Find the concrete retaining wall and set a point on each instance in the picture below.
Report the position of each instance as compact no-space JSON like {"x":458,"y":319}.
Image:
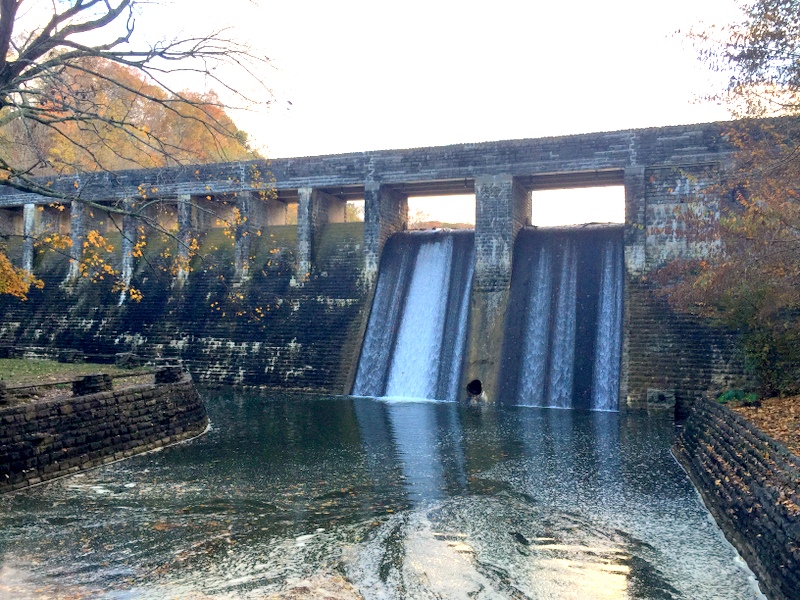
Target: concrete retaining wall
{"x":751,"y":484}
{"x":44,"y":440}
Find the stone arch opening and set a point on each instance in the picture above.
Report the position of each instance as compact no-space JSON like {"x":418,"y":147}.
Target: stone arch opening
{"x":576,"y":198}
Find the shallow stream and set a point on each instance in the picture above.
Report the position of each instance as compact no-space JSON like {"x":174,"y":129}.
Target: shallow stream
{"x":384,"y":499}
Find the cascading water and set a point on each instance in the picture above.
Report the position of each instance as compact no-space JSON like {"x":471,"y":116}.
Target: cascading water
{"x":562,"y":345}
{"x":415,"y":338}
{"x":608,"y":346}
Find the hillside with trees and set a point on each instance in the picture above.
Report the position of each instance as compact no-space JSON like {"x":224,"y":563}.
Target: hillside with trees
{"x":78,"y":95}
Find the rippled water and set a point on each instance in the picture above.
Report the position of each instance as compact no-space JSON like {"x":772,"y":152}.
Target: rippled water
{"x":385,"y":499}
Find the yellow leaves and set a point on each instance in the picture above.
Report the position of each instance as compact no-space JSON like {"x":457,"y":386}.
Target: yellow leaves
{"x":138,"y":248}
{"x":14,"y":281}
{"x":55,"y":241}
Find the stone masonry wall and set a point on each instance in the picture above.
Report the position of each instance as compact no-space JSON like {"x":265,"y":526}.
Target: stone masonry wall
{"x":750,"y":484}
{"x":44,"y":440}
{"x":271,"y":329}
{"x":679,"y":145}
{"x":670,"y":357}
{"x":674,"y":197}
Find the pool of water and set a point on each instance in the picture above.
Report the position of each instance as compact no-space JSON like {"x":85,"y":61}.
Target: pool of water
{"x":333,"y":497}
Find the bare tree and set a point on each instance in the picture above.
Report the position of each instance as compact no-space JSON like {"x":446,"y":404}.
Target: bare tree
{"x":78,"y":93}
{"x":48,"y":76}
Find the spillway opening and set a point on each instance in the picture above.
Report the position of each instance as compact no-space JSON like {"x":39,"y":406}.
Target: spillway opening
{"x":456,"y":211}
{"x":354,"y":211}
{"x":577,"y":206}
{"x":416,"y":334}
{"x":563,"y":334}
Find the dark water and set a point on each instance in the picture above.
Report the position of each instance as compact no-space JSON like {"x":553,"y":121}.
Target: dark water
{"x":403,"y":500}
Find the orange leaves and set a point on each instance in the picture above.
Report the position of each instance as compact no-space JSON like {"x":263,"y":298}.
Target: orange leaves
{"x":778,"y":418}
{"x":126,"y":122}
{"x":14,"y":281}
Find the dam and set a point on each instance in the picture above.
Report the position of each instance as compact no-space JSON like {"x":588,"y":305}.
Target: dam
{"x":271,"y":303}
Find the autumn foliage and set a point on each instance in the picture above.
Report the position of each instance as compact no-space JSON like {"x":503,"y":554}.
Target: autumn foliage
{"x":750,"y":282}
{"x":135,"y":125}
{"x":132,"y":124}
{"x":80,"y":92}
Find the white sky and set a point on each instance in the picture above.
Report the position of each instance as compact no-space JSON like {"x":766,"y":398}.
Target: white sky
{"x":369,"y":75}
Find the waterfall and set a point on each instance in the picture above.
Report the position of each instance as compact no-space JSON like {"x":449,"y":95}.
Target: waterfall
{"x":562,"y":344}
{"x":562,"y":348}
{"x":537,"y":333}
{"x":416,"y":333}
{"x":562,"y":341}
{"x":608,"y":345}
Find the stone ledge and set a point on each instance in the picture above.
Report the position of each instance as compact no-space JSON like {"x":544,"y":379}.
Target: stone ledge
{"x":749,"y":482}
{"x":36,"y":447}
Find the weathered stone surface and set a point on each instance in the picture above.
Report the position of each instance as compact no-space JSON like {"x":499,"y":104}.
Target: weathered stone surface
{"x":91,"y":384}
{"x":49,"y":439}
{"x":666,"y":146}
{"x":749,"y":482}
{"x":669,"y":357}
{"x":267,"y":331}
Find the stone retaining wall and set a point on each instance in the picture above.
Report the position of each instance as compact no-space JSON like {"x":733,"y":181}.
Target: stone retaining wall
{"x":671,"y":358}
{"x":45,"y":440}
{"x":751,"y":484}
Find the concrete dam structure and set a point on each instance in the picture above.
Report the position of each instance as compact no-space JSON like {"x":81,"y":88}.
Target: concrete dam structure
{"x":287,"y":305}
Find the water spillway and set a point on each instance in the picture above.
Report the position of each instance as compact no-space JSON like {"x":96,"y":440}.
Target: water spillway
{"x":563,"y":327}
{"x":414,"y":344}
{"x":562,"y":344}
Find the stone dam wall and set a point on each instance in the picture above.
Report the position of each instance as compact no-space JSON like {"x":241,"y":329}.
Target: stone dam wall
{"x":275,"y":331}
{"x":44,"y":440}
{"x":270,"y":330}
{"x":751,"y":484}
{"x":670,"y":358}
{"x":284,"y":306}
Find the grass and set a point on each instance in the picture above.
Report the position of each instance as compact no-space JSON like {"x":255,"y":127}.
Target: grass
{"x":19,"y":372}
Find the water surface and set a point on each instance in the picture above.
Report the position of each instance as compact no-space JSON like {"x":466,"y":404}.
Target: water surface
{"x":398,"y":499}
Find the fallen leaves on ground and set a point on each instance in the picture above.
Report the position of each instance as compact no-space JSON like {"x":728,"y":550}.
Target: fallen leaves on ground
{"x":779,"y":418}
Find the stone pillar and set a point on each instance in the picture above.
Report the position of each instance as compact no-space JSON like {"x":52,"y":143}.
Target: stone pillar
{"x":385,"y":213}
{"x":184,"y":215}
{"x":635,"y":216}
{"x":315,"y":209}
{"x":502,"y":209}
{"x":305,"y":232}
{"x":77,"y":217}
{"x":243,"y":236}
{"x":28,"y":233}
{"x":129,"y":238}
{"x":635,"y":238}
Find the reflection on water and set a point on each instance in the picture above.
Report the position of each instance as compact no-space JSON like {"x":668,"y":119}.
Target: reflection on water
{"x":383,"y":499}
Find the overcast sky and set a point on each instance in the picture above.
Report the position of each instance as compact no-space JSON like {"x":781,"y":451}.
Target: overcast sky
{"x":355,"y":75}
{"x":372,"y":74}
